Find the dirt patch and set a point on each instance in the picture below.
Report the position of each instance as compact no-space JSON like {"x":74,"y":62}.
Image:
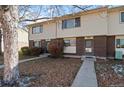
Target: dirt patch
{"x":49,"y":72}
{"x":110,"y":73}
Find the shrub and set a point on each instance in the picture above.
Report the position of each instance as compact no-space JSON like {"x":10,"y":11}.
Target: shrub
{"x":55,"y":48}
{"x":25,"y":50}
{"x":35,"y":51}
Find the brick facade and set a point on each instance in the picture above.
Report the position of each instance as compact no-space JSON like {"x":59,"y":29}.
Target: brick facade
{"x":103,"y":46}
{"x":31,"y":43}
{"x":80,"y":46}
{"x":100,"y":46}
{"x":43,"y":43}
{"x":110,"y":46}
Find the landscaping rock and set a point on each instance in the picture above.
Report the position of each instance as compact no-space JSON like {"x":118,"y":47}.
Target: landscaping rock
{"x":110,"y":73}
{"x":119,"y":70}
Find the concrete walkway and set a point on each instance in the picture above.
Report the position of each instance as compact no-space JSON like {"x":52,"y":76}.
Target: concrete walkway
{"x":86,"y":76}
{"x":25,"y":60}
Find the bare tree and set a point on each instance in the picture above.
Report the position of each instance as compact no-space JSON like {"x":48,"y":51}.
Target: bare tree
{"x":9,"y":21}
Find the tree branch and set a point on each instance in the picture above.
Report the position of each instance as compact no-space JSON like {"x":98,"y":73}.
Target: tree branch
{"x":35,"y":19}
{"x":84,"y":8}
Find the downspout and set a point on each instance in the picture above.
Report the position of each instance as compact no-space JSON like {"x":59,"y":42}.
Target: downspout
{"x":56,"y":31}
{"x":107,"y":31}
{"x":107,"y":21}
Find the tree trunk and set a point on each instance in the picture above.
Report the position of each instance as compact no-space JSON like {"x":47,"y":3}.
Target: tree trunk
{"x":0,"y":41}
{"x":9,"y":23}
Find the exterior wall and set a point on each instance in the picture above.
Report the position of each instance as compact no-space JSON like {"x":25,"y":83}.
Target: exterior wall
{"x":22,"y":39}
{"x":70,"y":49}
{"x":91,"y":24}
{"x":43,"y":43}
{"x":115,"y":27}
{"x":49,"y":32}
{"x":110,"y":46}
{"x":104,"y":27}
{"x":100,"y":46}
{"x":95,"y":24}
{"x":80,"y":45}
{"x":31,"y":43}
{"x":22,"y":44}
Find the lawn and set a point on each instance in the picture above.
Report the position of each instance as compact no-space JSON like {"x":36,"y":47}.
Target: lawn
{"x":110,"y":73}
{"x":50,"y":72}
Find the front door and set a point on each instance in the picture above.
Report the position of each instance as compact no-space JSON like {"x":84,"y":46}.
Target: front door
{"x":89,"y":47}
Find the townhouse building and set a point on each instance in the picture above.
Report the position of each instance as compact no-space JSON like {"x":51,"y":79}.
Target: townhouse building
{"x":98,"y":32}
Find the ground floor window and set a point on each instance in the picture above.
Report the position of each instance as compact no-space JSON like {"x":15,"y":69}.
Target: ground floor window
{"x":119,"y":43}
{"x":37,"y":43}
{"x":69,"y":42}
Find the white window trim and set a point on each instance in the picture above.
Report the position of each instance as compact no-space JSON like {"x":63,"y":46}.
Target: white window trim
{"x":70,"y":41}
{"x":120,"y":17}
{"x":74,"y":23}
{"x":37,"y":26}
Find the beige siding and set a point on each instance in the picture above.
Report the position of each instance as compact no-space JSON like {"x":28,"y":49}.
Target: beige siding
{"x":49,"y":32}
{"x":115,"y":26}
{"x":22,"y":39}
{"x":91,"y":24}
{"x":22,"y":36}
{"x":95,"y":24}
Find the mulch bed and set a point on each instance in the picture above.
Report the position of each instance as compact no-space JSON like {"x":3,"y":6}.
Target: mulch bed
{"x":50,"y":72}
{"x":106,"y":74}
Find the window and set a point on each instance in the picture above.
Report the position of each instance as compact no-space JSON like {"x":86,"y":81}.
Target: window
{"x":120,"y":43}
{"x":122,"y":16}
{"x":69,"y":42}
{"x":66,"y":43}
{"x":70,"y":23}
{"x":77,"y":22}
{"x":88,"y":44}
{"x":37,"y":43}
{"x":37,"y":29}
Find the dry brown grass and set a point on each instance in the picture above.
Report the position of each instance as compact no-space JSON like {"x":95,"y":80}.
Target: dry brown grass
{"x":106,"y":76}
{"x":50,"y":72}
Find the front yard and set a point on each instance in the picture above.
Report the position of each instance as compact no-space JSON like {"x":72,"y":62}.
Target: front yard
{"x":49,"y":72}
{"x":20,"y":58}
{"x":110,"y":73}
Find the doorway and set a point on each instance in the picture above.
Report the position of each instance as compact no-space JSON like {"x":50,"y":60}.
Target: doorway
{"x":88,"y":46}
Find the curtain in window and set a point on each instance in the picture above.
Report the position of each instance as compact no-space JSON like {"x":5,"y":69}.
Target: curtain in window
{"x":38,"y":29}
{"x":77,"y":22}
{"x":70,"y":23}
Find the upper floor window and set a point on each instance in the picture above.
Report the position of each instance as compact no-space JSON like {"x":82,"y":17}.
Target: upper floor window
{"x":37,"y":29}
{"x":122,"y":16}
{"x":70,"y":23}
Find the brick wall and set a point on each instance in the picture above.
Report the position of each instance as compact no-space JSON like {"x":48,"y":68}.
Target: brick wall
{"x":31,"y":43}
{"x":110,"y":46}
{"x":80,"y":46}
{"x":100,"y":46}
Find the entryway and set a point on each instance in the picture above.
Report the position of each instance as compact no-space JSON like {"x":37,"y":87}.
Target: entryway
{"x":89,"y":47}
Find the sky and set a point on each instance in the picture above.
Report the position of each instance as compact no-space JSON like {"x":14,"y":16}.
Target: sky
{"x":53,"y":10}
{"x":40,"y":11}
